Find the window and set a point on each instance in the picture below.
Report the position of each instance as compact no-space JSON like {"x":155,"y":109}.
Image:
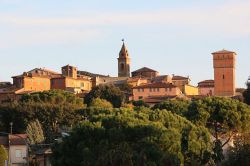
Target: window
{"x":158,"y":90}
{"x":140,"y":97}
{"x":150,"y":89}
{"x":18,"y":153}
{"x":223,"y":76}
{"x":82,"y":85}
{"x":170,"y":89}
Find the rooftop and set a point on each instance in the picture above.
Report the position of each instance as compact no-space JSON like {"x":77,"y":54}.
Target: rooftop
{"x":144,"y":69}
{"x":223,"y":52}
{"x":86,"y":73}
{"x":17,"y":139}
{"x":176,"y":77}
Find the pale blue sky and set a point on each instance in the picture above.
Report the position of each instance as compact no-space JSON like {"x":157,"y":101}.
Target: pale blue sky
{"x":173,"y":37}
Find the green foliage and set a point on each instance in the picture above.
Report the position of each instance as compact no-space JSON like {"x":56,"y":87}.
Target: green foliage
{"x":220,"y":115}
{"x":100,"y":103}
{"x":178,"y":106}
{"x":53,"y":109}
{"x":224,"y":117}
{"x":126,"y":88}
{"x":52,"y":97}
{"x":3,"y":155}
{"x":140,"y":103}
{"x":143,"y":137}
{"x":246,"y":95}
{"x":110,"y":93}
{"x":35,"y":132}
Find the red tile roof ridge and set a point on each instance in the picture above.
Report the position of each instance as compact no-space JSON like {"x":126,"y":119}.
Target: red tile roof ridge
{"x":223,"y":51}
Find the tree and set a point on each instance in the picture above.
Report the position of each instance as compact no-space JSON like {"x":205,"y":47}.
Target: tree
{"x":53,"y":109}
{"x":100,"y":103}
{"x":122,"y":137}
{"x":178,"y":106}
{"x":3,"y":155}
{"x":35,"y":133}
{"x":108,"y":92}
{"x":246,"y":94}
{"x":140,"y":103}
{"x":224,"y":117}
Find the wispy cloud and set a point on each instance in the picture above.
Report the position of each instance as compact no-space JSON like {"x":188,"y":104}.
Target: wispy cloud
{"x":46,"y":36}
{"x":231,"y":18}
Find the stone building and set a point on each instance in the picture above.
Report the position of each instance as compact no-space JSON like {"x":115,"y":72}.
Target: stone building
{"x":224,"y":73}
{"x":155,"y":90}
{"x":206,"y":88}
{"x":70,"y":81}
{"x":38,"y":80}
{"x":180,"y":81}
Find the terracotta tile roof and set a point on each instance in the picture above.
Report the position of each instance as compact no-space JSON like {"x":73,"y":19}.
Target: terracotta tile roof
{"x":175,"y":77}
{"x":223,"y":52}
{"x":206,"y":83}
{"x":156,"y":85}
{"x":5,"y":84}
{"x":85,"y":73}
{"x":45,"y":70}
{"x":144,"y":69}
{"x":18,"y":139}
{"x":39,"y":72}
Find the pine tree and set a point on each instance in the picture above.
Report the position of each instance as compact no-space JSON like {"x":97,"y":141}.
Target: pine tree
{"x":35,"y":132}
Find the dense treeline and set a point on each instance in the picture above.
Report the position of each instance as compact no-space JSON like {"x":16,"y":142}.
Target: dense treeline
{"x":109,"y":131}
{"x":126,"y":137}
{"x":52,"y":109}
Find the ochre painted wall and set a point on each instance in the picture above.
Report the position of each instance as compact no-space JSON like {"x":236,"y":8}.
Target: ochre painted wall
{"x":190,"y":90}
{"x":139,"y":94}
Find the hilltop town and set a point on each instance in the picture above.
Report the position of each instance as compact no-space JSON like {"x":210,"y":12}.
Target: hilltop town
{"x":147,"y":84}
{"x":48,"y":117}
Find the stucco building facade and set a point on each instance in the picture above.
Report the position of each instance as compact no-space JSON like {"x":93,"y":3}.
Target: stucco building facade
{"x":155,"y":89}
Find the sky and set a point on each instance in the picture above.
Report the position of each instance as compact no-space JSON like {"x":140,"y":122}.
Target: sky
{"x":172,"y":37}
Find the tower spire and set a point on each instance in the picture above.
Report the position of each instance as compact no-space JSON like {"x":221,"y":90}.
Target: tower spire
{"x":124,"y":52}
{"x":123,"y":62}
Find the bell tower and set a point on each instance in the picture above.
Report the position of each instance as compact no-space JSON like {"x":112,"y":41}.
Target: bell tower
{"x":123,"y":62}
{"x":224,"y":73}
